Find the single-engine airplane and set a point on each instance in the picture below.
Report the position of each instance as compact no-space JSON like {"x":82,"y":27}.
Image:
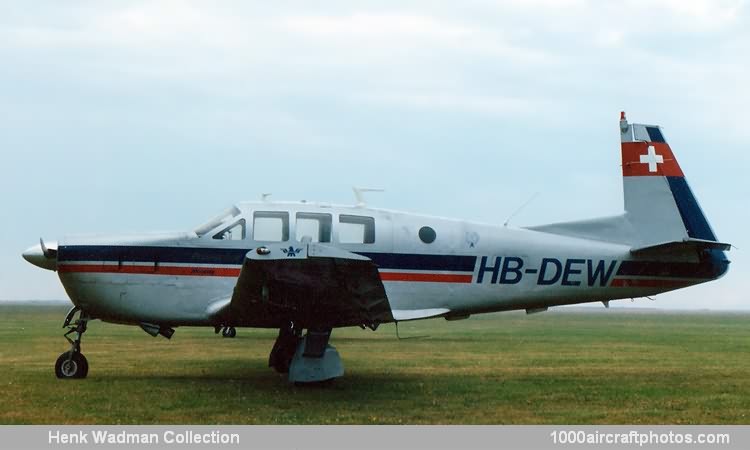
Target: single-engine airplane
{"x":296,"y":266}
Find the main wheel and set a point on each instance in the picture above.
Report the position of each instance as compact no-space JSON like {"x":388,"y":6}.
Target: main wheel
{"x":231,"y":332}
{"x":75,"y":366}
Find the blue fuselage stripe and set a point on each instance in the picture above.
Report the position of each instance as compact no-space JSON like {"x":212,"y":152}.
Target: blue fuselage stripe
{"x":197,"y":255}
{"x":127,"y":253}
{"x":706,"y":268}
{"x":405,"y":261}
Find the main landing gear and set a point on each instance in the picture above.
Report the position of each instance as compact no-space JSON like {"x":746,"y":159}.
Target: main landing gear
{"x":308,"y":359}
{"x":72,"y":364}
{"x":227,"y":332}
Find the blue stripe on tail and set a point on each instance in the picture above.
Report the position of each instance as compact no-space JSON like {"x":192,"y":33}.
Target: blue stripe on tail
{"x":692,"y":216}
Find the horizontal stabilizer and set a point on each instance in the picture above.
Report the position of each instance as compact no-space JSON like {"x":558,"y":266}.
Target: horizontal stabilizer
{"x":686,"y":244}
{"x":413,"y":314}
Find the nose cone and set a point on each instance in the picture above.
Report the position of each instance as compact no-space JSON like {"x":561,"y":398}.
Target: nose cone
{"x":35,"y":255}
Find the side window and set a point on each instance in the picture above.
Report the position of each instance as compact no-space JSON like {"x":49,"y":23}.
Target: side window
{"x":271,"y":226}
{"x":316,"y":226}
{"x":234,"y":232}
{"x":356,"y":229}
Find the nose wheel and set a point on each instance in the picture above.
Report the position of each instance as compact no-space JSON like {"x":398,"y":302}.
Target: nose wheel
{"x":228,"y":332}
{"x":72,"y":364}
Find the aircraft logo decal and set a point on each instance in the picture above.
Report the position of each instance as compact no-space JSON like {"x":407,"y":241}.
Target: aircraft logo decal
{"x":291,"y":252}
{"x":652,"y":159}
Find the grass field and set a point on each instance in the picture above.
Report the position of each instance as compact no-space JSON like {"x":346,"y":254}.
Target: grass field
{"x":574,"y":366}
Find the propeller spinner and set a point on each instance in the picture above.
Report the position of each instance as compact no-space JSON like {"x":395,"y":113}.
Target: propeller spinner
{"x":42,"y":255}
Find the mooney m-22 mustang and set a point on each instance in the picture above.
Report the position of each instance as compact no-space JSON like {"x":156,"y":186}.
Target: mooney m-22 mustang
{"x":314,"y":266}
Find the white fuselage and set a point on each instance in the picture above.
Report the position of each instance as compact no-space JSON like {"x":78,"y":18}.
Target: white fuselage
{"x":468,"y":268}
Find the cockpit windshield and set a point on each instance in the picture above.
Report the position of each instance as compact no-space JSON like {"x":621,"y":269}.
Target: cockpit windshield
{"x":220,"y":219}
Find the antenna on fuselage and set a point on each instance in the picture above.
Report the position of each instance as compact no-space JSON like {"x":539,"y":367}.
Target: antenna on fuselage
{"x":361,"y":198}
{"x":525,"y":204}
{"x":264,"y":196}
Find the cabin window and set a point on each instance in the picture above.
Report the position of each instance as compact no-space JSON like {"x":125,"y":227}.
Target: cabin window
{"x":271,"y":226}
{"x":316,"y":226}
{"x":356,"y":229}
{"x":234,"y":232}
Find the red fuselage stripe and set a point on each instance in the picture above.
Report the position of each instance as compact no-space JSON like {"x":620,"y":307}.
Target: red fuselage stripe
{"x":232,"y":272}
{"x":151,"y":270}
{"x":426,"y":277}
{"x":385,"y":276}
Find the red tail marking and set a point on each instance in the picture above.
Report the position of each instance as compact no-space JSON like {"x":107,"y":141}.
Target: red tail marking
{"x":633,"y":167}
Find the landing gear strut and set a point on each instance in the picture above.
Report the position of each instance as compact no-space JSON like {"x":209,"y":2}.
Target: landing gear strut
{"x":72,"y":364}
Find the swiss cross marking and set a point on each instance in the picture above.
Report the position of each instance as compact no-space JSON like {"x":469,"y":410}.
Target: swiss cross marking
{"x":652,"y":159}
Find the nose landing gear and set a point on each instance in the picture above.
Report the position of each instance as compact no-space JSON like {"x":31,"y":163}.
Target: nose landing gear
{"x":72,"y":364}
{"x":226,"y":331}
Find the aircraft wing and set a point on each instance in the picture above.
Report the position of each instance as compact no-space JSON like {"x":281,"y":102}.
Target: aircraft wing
{"x":313,"y":285}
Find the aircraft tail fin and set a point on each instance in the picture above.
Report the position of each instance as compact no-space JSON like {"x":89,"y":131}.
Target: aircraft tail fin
{"x":659,"y":203}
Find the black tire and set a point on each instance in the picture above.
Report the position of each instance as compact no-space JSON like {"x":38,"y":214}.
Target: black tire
{"x":69,"y":367}
{"x":231,"y":332}
{"x":84,"y":366}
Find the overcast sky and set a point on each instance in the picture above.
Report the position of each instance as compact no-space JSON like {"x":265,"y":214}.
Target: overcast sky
{"x":138,"y":116}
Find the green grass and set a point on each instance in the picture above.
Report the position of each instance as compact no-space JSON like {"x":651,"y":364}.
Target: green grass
{"x":561,"y":367}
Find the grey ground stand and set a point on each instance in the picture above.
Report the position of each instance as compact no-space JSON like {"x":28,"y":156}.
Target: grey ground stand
{"x":315,"y":360}
{"x":308,"y":358}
